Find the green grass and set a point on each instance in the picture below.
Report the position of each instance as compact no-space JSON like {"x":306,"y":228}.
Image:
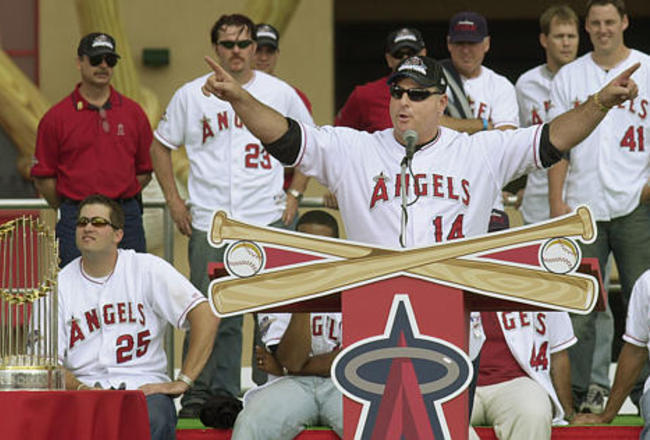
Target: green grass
{"x":618,"y":421}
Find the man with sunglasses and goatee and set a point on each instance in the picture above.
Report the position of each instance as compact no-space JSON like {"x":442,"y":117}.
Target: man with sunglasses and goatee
{"x":114,"y":308}
{"x":229,"y":170}
{"x":94,"y":141}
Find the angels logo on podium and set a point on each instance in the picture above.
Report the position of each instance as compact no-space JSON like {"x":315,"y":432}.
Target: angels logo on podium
{"x":318,"y":267}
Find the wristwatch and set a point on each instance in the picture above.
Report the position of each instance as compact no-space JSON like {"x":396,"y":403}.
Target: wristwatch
{"x":295,"y":193}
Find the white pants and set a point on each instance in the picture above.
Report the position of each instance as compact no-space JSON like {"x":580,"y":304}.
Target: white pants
{"x":517,"y":409}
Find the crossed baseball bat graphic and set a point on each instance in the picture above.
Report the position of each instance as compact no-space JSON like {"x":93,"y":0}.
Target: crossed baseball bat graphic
{"x":359,"y":264}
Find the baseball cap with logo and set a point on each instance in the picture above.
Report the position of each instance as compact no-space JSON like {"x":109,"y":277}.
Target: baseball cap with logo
{"x":97,"y":43}
{"x":267,"y":35}
{"x":404,"y":38}
{"x":423,"y":70}
{"x":467,"y":27}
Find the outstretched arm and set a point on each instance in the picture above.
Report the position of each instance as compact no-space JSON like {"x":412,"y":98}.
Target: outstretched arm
{"x":572,"y":127}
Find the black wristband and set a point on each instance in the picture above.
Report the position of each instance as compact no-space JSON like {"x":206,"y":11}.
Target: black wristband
{"x":548,"y":154}
{"x":287,"y":147}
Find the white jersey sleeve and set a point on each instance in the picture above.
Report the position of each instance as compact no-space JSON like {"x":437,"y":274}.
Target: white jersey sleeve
{"x":173,"y":125}
{"x":493,"y":97}
{"x":637,"y":325}
{"x":560,"y":332}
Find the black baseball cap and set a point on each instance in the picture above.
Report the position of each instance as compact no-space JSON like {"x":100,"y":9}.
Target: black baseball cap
{"x":423,"y":70}
{"x":404,"y":38}
{"x":267,"y":35}
{"x":97,"y":43}
{"x":467,"y":27}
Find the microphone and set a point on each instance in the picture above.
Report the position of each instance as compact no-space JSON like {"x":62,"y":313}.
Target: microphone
{"x":411,"y":138}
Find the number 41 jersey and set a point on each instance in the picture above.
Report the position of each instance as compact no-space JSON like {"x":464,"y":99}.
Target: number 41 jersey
{"x":609,"y":168}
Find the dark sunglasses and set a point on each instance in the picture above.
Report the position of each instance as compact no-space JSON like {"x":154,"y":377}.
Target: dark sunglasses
{"x":242,"y":44}
{"x":414,"y":94}
{"x":404,"y":53}
{"x":97,"y":222}
{"x":96,"y":60}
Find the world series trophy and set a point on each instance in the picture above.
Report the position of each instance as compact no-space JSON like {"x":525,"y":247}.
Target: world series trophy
{"x":403,"y":369}
{"x":28,"y":307}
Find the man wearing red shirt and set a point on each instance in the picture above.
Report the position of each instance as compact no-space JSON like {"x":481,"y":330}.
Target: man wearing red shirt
{"x":367,"y":106}
{"x":94,"y":141}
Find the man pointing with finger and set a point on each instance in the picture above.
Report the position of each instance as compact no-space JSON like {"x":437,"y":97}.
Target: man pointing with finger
{"x":454,"y":178}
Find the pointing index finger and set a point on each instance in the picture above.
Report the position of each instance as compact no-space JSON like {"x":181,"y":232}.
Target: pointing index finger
{"x":213,"y":64}
{"x":627,"y":73}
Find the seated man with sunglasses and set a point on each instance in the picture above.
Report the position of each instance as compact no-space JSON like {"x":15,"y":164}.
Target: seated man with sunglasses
{"x":94,"y":141}
{"x":114,"y":308}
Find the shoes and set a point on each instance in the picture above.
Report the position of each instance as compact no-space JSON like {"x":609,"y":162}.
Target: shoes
{"x":190,"y":411}
{"x":595,"y":401}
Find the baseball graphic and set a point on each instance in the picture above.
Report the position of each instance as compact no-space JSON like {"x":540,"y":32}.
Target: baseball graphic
{"x":244,"y":259}
{"x":560,"y":255}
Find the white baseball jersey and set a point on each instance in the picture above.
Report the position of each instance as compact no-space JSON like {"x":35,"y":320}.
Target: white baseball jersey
{"x":533,"y":96}
{"x":325,"y":330}
{"x":457,"y":178}
{"x":492,"y":96}
{"x":112,"y":331}
{"x":637,"y":324}
{"x":532,"y":337}
{"x":609,"y":168}
{"x":229,"y":168}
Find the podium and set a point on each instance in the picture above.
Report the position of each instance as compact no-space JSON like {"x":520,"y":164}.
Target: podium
{"x":404,"y":370}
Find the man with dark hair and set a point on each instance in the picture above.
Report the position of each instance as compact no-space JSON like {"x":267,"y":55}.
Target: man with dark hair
{"x":367,"y":106}
{"x":229,"y":170}
{"x":608,"y":171}
{"x":114,"y":308}
{"x":94,"y":141}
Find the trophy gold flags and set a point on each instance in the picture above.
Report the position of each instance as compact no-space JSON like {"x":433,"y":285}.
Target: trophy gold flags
{"x":28,"y":306}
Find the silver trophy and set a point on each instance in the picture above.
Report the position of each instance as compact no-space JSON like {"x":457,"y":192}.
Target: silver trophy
{"x":29,"y":260}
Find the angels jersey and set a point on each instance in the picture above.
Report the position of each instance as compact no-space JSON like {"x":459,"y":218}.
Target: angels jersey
{"x":491,"y":96}
{"x":533,"y":96}
{"x":325,"y":330}
{"x":229,"y":168}
{"x":610,"y":167}
{"x":112,"y":332}
{"x":532,"y":337}
{"x":456,"y":178}
{"x":637,"y":324}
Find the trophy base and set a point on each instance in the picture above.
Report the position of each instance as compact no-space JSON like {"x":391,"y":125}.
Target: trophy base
{"x":31,"y":379}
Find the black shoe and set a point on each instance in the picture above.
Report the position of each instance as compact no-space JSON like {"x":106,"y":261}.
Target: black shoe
{"x":190,"y":411}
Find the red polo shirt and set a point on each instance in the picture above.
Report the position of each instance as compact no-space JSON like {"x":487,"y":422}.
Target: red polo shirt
{"x":367,"y":107}
{"x":91,"y":154}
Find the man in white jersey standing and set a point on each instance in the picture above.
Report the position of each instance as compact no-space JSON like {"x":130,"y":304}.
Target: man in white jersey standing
{"x":455,"y":177}
{"x":298,"y":351}
{"x":114,"y":308}
{"x":229,"y":170}
{"x":609,"y":170}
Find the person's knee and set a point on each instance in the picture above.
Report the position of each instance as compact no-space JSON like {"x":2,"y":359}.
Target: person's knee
{"x":162,"y":417}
